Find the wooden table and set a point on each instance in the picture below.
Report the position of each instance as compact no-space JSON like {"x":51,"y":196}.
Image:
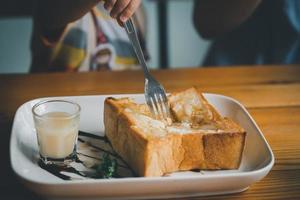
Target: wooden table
{"x":271,"y":94}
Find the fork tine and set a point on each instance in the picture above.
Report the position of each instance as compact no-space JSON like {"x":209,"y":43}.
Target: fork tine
{"x":167,"y":112}
{"x":150,"y":105}
{"x":158,"y":105}
{"x":163,"y":108}
{"x":164,"y":97}
{"x":166,"y":103}
{"x":155,"y":108}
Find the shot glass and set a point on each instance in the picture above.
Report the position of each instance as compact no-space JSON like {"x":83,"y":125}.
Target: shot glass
{"x":57,"y":123}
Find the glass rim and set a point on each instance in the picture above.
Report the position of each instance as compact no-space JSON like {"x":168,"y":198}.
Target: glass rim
{"x":78,"y":108}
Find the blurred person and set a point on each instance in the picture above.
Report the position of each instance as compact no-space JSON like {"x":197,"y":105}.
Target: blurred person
{"x":250,"y":31}
{"x":84,"y":35}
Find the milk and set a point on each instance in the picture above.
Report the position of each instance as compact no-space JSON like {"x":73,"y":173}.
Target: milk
{"x":57,"y":134}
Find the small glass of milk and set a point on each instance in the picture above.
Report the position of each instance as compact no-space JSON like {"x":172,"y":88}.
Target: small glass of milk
{"x":57,"y":123}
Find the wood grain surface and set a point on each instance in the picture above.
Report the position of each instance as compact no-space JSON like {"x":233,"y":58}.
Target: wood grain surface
{"x":270,"y":93}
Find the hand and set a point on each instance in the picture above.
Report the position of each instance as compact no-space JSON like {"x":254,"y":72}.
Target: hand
{"x":122,"y":10}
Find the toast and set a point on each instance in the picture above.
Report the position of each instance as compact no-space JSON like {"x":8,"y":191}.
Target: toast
{"x":198,"y":137}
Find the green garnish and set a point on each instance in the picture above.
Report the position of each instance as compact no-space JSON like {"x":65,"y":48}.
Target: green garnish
{"x":108,"y":167}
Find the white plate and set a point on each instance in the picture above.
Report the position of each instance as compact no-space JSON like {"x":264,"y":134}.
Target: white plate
{"x":257,"y":160}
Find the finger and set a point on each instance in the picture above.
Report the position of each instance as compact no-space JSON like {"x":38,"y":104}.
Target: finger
{"x":120,"y":22}
{"x":119,"y":6}
{"x":129,"y":10}
{"x":109,"y":4}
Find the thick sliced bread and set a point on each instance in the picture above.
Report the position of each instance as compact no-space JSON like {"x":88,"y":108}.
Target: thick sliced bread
{"x":198,"y":138}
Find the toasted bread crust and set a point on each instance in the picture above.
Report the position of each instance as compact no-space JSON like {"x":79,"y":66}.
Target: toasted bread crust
{"x":155,"y":155}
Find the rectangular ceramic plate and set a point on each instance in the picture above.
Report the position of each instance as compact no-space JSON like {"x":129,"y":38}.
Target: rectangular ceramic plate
{"x":257,"y":160}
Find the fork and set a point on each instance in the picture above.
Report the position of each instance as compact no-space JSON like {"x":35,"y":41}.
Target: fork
{"x":155,"y":94}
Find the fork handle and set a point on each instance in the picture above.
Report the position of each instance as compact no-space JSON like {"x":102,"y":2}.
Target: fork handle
{"x":133,"y":37}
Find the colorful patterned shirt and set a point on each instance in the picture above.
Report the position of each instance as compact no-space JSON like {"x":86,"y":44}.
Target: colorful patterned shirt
{"x":93,"y":43}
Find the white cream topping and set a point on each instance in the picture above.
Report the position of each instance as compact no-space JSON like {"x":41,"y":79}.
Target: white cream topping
{"x":159,"y":128}
{"x":128,"y":110}
{"x":178,"y":130}
{"x":185,"y":128}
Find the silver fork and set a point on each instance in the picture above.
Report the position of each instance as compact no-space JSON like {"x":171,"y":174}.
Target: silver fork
{"x":155,"y":94}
